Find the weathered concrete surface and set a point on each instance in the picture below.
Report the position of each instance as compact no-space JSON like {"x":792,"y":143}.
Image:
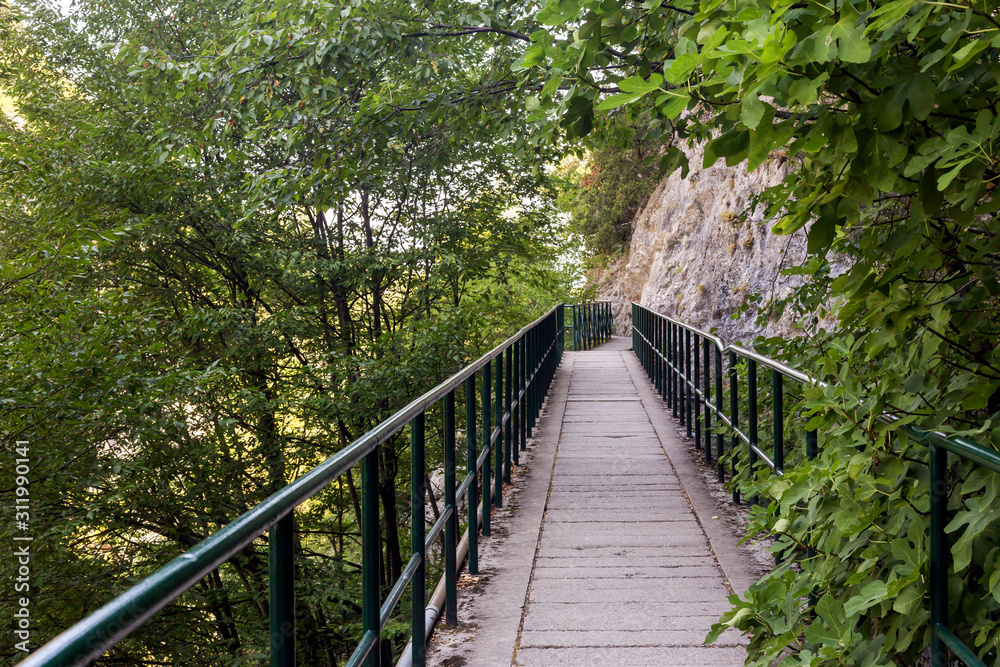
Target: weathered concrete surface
{"x":611,"y":559}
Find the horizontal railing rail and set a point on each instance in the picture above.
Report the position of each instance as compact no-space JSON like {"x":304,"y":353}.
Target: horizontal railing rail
{"x":514,"y":377}
{"x":685,"y":364}
{"x":592,"y":324}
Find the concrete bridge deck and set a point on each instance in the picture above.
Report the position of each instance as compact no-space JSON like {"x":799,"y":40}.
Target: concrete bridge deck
{"x":610,"y":552}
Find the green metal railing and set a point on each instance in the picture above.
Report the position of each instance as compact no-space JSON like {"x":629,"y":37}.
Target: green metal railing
{"x":592,"y":324}
{"x":515,"y":376}
{"x":685,"y":364}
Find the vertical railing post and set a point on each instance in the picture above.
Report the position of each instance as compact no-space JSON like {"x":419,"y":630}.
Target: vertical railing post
{"x":418,"y":585}
{"x":593,"y":325}
{"x":451,"y":525}
{"x":487,"y":456}
{"x":499,"y":472}
{"x":658,"y":368}
{"x":687,"y":382}
{"x":675,"y":371}
{"x":778,"y":394}
{"x":560,"y":330}
{"x":635,"y":332}
{"x":734,"y":418}
{"x":644,"y":338}
{"x":650,"y":364}
{"x":524,"y":393}
{"x":668,"y":351}
{"x":529,"y":382}
{"x":646,"y":342}
{"x":536,"y":358}
{"x":812,"y":450}
{"x":281,"y":554}
{"x":576,"y":327}
{"x":752,"y":418}
{"x":695,"y":381}
{"x":651,"y":329}
{"x":508,"y":455}
{"x":515,"y":410}
{"x":660,"y":354}
{"x":681,"y":370}
{"x":707,"y":389}
{"x":470,"y":457}
{"x":938,"y":572}
{"x":637,"y":344}
{"x":718,"y":402}
{"x":371,"y":555}
{"x":591,"y":338}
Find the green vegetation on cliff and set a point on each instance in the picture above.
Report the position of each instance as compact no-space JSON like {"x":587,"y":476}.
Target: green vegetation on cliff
{"x":889,"y":110}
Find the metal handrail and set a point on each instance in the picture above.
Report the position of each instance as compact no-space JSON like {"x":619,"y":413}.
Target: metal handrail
{"x":664,"y":347}
{"x":532,"y":355}
{"x":592,"y":324}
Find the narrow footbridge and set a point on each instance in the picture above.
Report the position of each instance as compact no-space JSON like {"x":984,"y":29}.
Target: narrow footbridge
{"x":615,"y":554}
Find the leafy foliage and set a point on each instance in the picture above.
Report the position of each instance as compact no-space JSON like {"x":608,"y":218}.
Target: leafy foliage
{"x":888,"y":109}
{"x":607,"y":190}
{"x":235,"y":237}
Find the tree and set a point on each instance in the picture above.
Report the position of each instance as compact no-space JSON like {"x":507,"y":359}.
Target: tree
{"x":229,"y":260}
{"x":605,"y":191}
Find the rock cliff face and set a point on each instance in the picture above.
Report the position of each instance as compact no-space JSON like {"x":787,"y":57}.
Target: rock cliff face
{"x":693,"y":259}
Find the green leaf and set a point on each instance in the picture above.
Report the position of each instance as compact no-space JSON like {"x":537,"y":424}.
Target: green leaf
{"x":824,"y":230}
{"x":617,"y":100}
{"x":673,"y":103}
{"x":637,"y":84}
{"x":870,"y":595}
{"x":988,"y":278}
{"x":889,"y":14}
{"x":681,"y":68}
{"x":914,"y":383}
{"x":852,"y":47}
{"x":557,"y":12}
{"x":968,"y":53}
{"x":890,"y":114}
{"x":908,"y":600}
{"x":533,"y":56}
{"x":732,"y":145}
{"x":751,"y":110}
{"x":921,"y":92}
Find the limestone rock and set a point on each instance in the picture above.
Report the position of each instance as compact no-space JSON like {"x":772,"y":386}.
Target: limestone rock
{"x":693,"y":259}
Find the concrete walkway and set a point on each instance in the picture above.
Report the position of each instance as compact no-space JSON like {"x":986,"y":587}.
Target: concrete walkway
{"x":611,"y":555}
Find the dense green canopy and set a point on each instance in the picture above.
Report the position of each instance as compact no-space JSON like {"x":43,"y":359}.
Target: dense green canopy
{"x":234,"y":237}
